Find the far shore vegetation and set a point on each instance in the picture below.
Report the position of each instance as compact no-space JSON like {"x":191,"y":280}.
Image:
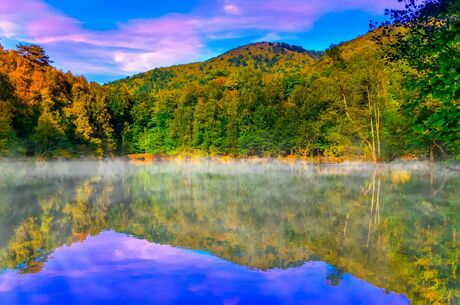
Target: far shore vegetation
{"x":390,"y":94}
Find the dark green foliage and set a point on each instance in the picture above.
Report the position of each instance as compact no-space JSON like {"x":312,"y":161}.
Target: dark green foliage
{"x":8,"y":141}
{"x":425,"y":38}
{"x":315,"y":54}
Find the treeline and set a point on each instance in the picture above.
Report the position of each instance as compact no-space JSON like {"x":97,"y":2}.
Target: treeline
{"x":266,"y":99}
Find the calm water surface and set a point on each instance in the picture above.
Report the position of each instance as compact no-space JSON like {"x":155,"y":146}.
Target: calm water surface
{"x":114,"y":232}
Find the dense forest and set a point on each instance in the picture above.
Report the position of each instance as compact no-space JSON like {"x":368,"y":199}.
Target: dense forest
{"x":389,"y":94}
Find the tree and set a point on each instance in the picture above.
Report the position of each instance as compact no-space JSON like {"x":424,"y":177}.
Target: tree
{"x":48,"y":134}
{"x":207,"y":126}
{"x":181,"y":128}
{"x":34,"y":53}
{"x":120,"y":104}
{"x":6,"y":131}
{"x":160,"y":140}
{"x":91,"y":117}
{"x":425,"y":37}
{"x":8,"y":140}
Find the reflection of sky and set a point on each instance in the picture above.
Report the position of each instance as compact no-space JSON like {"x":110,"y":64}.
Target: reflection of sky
{"x":113,"y":268}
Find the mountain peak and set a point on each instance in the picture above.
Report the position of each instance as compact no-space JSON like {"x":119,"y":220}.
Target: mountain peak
{"x":266,"y":55}
{"x":276,"y":47}
{"x":270,"y":49}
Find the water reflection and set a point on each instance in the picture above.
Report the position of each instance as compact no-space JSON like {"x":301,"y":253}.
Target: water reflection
{"x":395,"y":227}
{"x":112,"y":268}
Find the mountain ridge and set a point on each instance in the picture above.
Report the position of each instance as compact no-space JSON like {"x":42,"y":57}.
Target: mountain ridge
{"x":275,"y":46}
{"x":268,"y":57}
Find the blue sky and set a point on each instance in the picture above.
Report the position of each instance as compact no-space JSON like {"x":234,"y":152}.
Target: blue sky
{"x":109,"y":39}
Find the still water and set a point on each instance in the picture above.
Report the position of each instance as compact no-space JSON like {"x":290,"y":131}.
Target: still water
{"x":114,"y":232}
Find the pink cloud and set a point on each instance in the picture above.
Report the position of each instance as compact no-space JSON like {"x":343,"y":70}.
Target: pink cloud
{"x":34,"y":18}
{"x":51,"y":24}
{"x":133,"y":47}
{"x":7,"y":28}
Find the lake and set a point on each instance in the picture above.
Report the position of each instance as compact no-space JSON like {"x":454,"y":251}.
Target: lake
{"x":240,"y":232}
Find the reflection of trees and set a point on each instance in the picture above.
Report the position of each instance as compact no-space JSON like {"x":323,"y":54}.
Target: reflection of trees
{"x":396,"y":230}
{"x":334,"y":276}
{"x":374,"y":218}
{"x":29,"y":245}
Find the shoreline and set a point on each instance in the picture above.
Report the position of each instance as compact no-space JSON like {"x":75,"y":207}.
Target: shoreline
{"x":290,"y":159}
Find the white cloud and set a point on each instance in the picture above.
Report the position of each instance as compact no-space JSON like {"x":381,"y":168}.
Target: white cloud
{"x":232,"y":9}
{"x":7,"y":29}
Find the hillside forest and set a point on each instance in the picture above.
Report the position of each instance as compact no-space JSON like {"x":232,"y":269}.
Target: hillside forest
{"x":391,"y":93}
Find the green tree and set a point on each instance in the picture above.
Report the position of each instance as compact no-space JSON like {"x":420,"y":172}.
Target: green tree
{"x":425,"y":38}
{"x":48,"y":135}
{"x":8,"y":141}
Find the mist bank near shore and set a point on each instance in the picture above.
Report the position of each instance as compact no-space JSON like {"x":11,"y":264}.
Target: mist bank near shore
{"x":23,"y":171}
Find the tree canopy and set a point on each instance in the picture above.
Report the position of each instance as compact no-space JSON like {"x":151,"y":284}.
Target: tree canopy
{"x":425,"y":38}
{"x":354,"y":101}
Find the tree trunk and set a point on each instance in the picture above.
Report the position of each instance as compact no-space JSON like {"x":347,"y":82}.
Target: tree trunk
{"x":431,"y":152}
{"x":371,"y":114}
{"x":377,"y":130}
{"x":372,"y":209}
{"x":363,"y":137}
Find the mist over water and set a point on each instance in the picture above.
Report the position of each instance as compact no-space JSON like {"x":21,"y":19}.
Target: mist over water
{"x":376,"y":228}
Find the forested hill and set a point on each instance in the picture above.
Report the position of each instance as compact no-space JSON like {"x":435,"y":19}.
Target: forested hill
{"x":268,"y":57}
{"x":268,"y":99}
{"x":378,"y":97}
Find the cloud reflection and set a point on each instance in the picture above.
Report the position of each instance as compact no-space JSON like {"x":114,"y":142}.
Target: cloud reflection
{"x":114,"y":268}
